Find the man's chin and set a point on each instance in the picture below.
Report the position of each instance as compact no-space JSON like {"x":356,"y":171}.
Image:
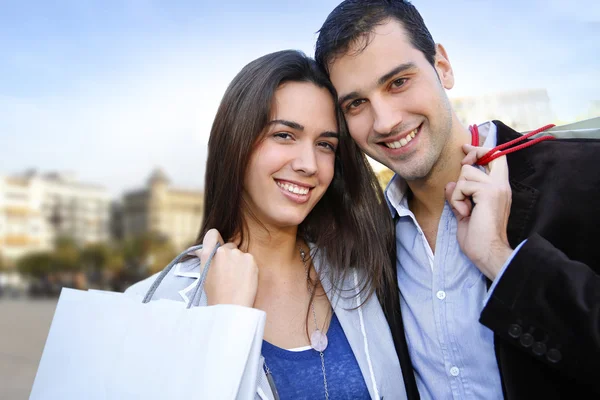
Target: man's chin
{"x":416,"y":173}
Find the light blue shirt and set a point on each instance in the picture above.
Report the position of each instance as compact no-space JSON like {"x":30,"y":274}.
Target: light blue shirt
{"x":441,"y":299}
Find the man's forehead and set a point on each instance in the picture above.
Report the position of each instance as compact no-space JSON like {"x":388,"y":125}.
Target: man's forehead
{"x":364,"y":72}
{"x":373,"y":55}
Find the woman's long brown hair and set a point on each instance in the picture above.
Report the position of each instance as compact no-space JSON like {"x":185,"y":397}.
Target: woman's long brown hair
{"x":350,"y":226}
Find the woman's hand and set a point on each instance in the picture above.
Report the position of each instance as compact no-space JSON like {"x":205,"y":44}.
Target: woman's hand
{"x":232,"y":276}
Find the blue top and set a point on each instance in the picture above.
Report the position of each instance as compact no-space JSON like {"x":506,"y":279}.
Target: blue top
{"x":298,"y":374}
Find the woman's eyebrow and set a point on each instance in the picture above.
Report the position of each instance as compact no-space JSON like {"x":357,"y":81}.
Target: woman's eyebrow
{"x":291,"y":124}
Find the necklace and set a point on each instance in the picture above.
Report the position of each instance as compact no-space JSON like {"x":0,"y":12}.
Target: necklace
{"x":318,"y":339}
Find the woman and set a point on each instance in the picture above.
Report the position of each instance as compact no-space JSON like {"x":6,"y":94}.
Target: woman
{"x":308,"y":235}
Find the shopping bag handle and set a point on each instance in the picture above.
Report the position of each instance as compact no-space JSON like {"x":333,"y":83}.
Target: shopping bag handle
{"x":169,"y":267}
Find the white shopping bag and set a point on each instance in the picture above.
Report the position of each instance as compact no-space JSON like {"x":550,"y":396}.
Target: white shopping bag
{"x":105,"y":345}
{"x":587,"y":129}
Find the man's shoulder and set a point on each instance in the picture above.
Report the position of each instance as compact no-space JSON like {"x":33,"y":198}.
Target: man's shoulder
{"x":545,"y":156}
{"x":588,"y":139}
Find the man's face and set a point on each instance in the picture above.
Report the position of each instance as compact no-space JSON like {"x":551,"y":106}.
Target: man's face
{"x":394,"y":101}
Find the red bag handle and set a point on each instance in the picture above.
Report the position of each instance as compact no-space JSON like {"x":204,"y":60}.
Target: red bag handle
{"x":500,"y":151}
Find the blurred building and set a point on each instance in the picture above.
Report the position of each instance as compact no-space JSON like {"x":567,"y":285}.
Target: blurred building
{"x":116,"y":221}
{"x":159,"y":208}
{"x":522,"y":110}
{"x":37,"y":208}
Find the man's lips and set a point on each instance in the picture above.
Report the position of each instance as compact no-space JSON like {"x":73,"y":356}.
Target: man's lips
{"x":402,"y":139}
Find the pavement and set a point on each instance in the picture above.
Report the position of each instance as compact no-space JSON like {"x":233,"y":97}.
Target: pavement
{"x":24,"y":326}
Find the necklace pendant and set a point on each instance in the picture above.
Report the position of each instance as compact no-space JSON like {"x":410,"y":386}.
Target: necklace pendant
{"x":318,"y":340}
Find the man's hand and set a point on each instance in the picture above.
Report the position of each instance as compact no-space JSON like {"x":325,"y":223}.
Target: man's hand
{"x":481,"y":203}
{"x":232,"y":277}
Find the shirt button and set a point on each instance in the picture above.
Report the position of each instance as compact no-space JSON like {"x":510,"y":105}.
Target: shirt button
{"x":441,"y":295}
{"x":454,"y":371}
{"x":553,"y":355}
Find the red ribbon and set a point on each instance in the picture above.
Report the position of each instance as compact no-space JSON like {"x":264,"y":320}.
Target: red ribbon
{"x":500,"y":151}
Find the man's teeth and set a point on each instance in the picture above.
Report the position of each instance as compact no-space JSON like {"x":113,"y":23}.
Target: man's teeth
{"x":293,"y":188}
{"x":404,"y":141}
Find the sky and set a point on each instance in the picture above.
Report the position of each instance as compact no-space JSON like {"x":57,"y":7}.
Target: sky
{"x":112,"y":89}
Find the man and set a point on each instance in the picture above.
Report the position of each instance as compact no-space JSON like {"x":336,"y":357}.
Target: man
{"x":498,"y":299}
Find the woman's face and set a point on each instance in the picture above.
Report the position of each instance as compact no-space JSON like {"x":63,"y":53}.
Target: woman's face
{"x":292,"y":165}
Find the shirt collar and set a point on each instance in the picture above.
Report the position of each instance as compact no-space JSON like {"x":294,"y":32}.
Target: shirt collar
{"x":395,"y":192}
{"x":488,"y":131}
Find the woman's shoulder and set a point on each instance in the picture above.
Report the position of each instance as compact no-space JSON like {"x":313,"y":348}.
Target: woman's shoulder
{"x":173,"y":286}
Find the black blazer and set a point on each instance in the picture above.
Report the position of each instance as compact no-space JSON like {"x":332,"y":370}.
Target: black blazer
{"x":545,"y":310}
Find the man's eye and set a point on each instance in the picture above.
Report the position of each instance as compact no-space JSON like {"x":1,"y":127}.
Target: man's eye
{"x":355,"y":103}
{"x":399,"y":82}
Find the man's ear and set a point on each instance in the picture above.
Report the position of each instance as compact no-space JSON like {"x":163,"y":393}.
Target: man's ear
{"x":443,"y":67}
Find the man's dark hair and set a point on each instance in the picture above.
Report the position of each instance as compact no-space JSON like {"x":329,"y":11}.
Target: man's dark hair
{"x":354,"y":20}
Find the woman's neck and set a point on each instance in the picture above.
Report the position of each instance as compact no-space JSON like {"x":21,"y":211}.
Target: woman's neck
{"x":276,"y":250}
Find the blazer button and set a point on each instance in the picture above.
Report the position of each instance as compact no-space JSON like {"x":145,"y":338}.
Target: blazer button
{"x":526,"y":340}
{"x":553,"y":356}
{"x":514,"y":331}
{"x":539,"y":348}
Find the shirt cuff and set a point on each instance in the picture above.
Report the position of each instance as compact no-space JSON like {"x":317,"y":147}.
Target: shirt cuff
{"x":499,"y":276}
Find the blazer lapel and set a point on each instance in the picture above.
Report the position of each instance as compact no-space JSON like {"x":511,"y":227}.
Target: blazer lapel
{"x":524,"y":196}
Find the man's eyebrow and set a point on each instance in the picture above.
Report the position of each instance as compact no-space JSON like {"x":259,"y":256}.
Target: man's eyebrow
{"x":381,"y":81}
{"x":291,"y":124}
{"x":395,"y":71}
{"x":349,"y":96}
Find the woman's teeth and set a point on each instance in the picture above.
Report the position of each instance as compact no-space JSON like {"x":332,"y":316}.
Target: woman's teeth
{"x":404,"y":141}
{"x":293,"y":188}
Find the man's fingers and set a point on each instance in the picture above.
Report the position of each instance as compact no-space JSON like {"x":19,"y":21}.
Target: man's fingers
{"x":473,"y":153}
{"x":499,"y":165}
{"x":460,"y":197}
{"x":448,"y":190}
{"x":465,"y":189}
{"x":461,"y":205}
{"x":499,"y":170}
{"x":474,"y":174}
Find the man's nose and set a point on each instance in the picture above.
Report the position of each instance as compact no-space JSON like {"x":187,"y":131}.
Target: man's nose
{"x":385,"y":116}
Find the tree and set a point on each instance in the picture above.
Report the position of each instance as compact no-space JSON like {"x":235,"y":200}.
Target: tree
{"x":37,"y":265}
{"x":67,"y":255}
{"x":149,"y":252}
{"x":95,"y":256}
{"x":93,"y":259}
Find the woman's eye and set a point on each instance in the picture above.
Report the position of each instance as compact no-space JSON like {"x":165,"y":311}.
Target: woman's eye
{"x":328,"y":146}
{"x":282,"y":135}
